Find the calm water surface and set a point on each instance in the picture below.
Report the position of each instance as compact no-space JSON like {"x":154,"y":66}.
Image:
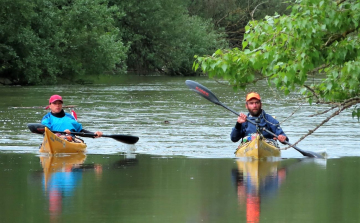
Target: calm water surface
{"x":183,"y":167}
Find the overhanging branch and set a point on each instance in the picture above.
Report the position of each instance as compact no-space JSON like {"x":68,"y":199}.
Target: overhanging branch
{"x":345,"y":105}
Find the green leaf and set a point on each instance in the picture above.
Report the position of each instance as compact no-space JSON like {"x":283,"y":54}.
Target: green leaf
{"x":244,"y":44}
{"x":224,"y":67}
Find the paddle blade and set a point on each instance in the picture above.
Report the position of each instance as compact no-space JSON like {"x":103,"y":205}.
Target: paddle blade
{"x":128,"y":139}
{"x":305,"y":153}
{"x":36,"y":128}
{"x":203,"y":91}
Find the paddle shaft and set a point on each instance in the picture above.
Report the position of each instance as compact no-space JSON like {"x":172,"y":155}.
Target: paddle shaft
{"x":83,"y":134}
{"x":206,"y":93}
{"x":128,"y":139}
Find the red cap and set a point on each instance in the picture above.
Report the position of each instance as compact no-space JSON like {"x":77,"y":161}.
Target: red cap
{"x":53,"y":99}
{"x":252,"y":95}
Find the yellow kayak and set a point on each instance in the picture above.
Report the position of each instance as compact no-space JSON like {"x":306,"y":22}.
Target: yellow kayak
{"x":258,"y":148}
{"x":53,"y":144}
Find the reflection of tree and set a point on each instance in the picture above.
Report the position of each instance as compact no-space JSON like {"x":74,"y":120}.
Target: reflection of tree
{"x":255,"y":179}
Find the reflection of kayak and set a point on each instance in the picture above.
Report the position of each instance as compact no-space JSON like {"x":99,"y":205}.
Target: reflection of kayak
{"x":53,"y":164}
{"x":256,"y":171}
{"x":257,"y":148}
{"x":53,"y":144}
{"x":254,"y":180}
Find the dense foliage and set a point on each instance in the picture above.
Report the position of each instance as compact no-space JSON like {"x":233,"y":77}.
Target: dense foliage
{"x":319,"y":39}
{"x":163,"y":37}
{"x":46,"y":41}
{"x":233,"y":15}
{"x":42,"y":41}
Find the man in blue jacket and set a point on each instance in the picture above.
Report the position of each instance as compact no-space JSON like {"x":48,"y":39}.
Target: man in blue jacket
{"x":244,"y":128}
{"x":58,"y":120}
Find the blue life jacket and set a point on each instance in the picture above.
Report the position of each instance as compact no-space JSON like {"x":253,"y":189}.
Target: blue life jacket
{"x":61,"y":124}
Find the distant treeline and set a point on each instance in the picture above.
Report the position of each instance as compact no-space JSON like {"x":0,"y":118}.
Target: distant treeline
{"x":43,"y":41}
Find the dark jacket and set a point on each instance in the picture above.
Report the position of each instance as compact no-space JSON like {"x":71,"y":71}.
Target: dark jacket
{"x":246,"y":128}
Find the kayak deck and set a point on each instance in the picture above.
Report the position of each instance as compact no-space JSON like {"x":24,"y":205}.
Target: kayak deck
{"x":258,"y":148}
{"x":53,"y":144}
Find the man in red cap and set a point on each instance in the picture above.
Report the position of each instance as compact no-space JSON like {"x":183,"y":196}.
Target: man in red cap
{"x":244,"y":128}
{"x":58,"y":120}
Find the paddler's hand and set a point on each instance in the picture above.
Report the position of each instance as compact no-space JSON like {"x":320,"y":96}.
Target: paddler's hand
{"x":67,"y":131}
{"x":98,"y":134}
{"x":281,"y":138}
{"x":242,"y":118}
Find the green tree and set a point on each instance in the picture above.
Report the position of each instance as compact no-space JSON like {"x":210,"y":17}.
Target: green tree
{"x":46,"y":40}
{"x":233,"y":15}
{"x":320,"y":38}
{"x":163,"y":37}
{"x":91,"y":43}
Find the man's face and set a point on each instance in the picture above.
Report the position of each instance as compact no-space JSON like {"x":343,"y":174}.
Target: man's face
{"x":254,"y":107}
{"x":56,"y":106}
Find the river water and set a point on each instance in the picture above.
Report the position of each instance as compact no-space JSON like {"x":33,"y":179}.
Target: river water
{"x":183,"y":167}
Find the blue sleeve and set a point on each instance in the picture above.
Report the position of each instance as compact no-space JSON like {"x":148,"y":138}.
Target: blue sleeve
{"x":76,"y":125}
{"x":237,"y":132}
{"x":275,"y":126}
{"x":46,"y":120}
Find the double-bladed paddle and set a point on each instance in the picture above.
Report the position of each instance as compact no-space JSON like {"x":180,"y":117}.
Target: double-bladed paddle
{"x":206,"y":93}
{"x":128,"y":139}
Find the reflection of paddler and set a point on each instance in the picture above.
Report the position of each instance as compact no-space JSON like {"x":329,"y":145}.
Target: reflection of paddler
{"x":252,"y":209}
{"x":55,"y":166}
{"x":253,"y":179}
{"x":60,"y":179}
